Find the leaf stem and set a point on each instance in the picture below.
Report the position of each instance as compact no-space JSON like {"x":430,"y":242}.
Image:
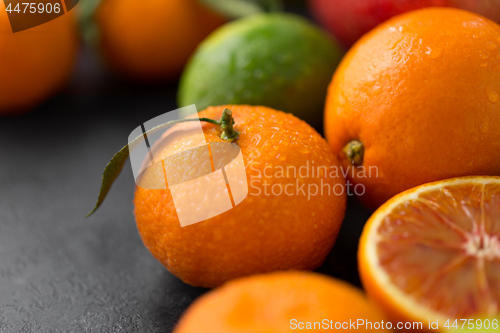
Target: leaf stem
{"x":234,"y":9}
{"x":116,"y":164}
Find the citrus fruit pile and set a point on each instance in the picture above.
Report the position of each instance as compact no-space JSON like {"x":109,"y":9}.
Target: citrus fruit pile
{"x":411,"y":117}
{"x":414,"y":101}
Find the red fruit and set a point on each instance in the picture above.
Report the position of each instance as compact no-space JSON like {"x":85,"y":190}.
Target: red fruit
{"x":349,"y":20}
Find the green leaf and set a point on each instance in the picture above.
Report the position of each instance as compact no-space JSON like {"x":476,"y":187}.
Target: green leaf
{"x":86,"y":22}
{"x":110,"y":174}
{"x":116,"y":164}
{"x":234,"y":9}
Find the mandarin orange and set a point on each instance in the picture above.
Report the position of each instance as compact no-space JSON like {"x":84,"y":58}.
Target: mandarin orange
{"x":35,"y":63}
{"x":281,"y":302}
{"x":289,"y":219}
{"x":417,"y":100}
{"x":152,"y":39}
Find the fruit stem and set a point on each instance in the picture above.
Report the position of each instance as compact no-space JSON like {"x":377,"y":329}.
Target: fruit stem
{"x":226,"y":124}
{"x":355,"y":151}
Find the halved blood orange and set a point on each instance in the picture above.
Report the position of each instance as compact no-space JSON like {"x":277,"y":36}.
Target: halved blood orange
{"x":433,"y":252}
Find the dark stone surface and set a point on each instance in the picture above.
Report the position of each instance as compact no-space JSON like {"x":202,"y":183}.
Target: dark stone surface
{"x":60,"y":272}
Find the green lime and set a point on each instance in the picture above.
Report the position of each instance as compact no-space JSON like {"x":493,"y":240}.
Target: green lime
{"x":277,"y":60}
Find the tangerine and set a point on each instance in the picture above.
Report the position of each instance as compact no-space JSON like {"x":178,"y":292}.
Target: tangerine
{"x":35,"y":63}
{"x":288,"y":220}
{"x":280,"y":302}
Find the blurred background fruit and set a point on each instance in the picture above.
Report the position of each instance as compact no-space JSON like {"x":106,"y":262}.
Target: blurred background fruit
{"x":266,"y":231}
{"x":151,"y":39}
{"x":278,"y":60}
{"x":349,"y":20}
{"x":270,"y":303}
{"x":417,"y":100}
{"x":35,"y":63}
{"x":431,"y":253}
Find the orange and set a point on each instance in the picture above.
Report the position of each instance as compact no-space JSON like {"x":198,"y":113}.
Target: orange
{"x":281,"y":302}
{"x":433,"y":252}
{"x":152,"y":39}
{"x":279,"y":225}
{"x":418,"y":98}
{"x":35,"y":63}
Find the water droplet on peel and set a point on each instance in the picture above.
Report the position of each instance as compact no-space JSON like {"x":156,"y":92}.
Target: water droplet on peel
{"x":392,"y":29}
{"x":492,"y":95}
{"x":491,"y":46}
{"x":304,"y":150}
{"x":484,"y":126}
{"x":433,"y":54}
{"x":341,"y":100}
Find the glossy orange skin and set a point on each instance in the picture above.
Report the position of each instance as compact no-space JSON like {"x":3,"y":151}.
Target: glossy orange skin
{"x":152,"y":39}
{"x":269,"y":302}
{"x":35,"y":63}
{"x":264,"y":232}
{"x":421,"y":92}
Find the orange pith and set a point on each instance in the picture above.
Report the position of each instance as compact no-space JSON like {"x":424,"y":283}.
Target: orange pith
{"x":434,"y":251}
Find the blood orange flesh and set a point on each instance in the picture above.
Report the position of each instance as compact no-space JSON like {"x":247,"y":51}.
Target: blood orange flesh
{"x":434,"y":251}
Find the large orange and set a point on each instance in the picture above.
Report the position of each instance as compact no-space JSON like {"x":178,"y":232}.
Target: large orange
{"x":433,"y":253}
{"x":35,"y":63}
{"x":152,"y":39}
{"x":282,"y":302}
{"x":419,"y":95}
{"x":279,"y":225}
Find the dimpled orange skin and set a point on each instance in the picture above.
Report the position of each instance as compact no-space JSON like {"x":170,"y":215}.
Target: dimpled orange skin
{"x":152,"y":39}
{"x":269,"y":303}
{"x":35,"y":63}
{"x":421,"y":92}
{"x":262,"y":233}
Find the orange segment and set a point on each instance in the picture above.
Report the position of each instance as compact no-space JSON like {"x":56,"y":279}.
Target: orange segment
{"x":433,"y":252}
